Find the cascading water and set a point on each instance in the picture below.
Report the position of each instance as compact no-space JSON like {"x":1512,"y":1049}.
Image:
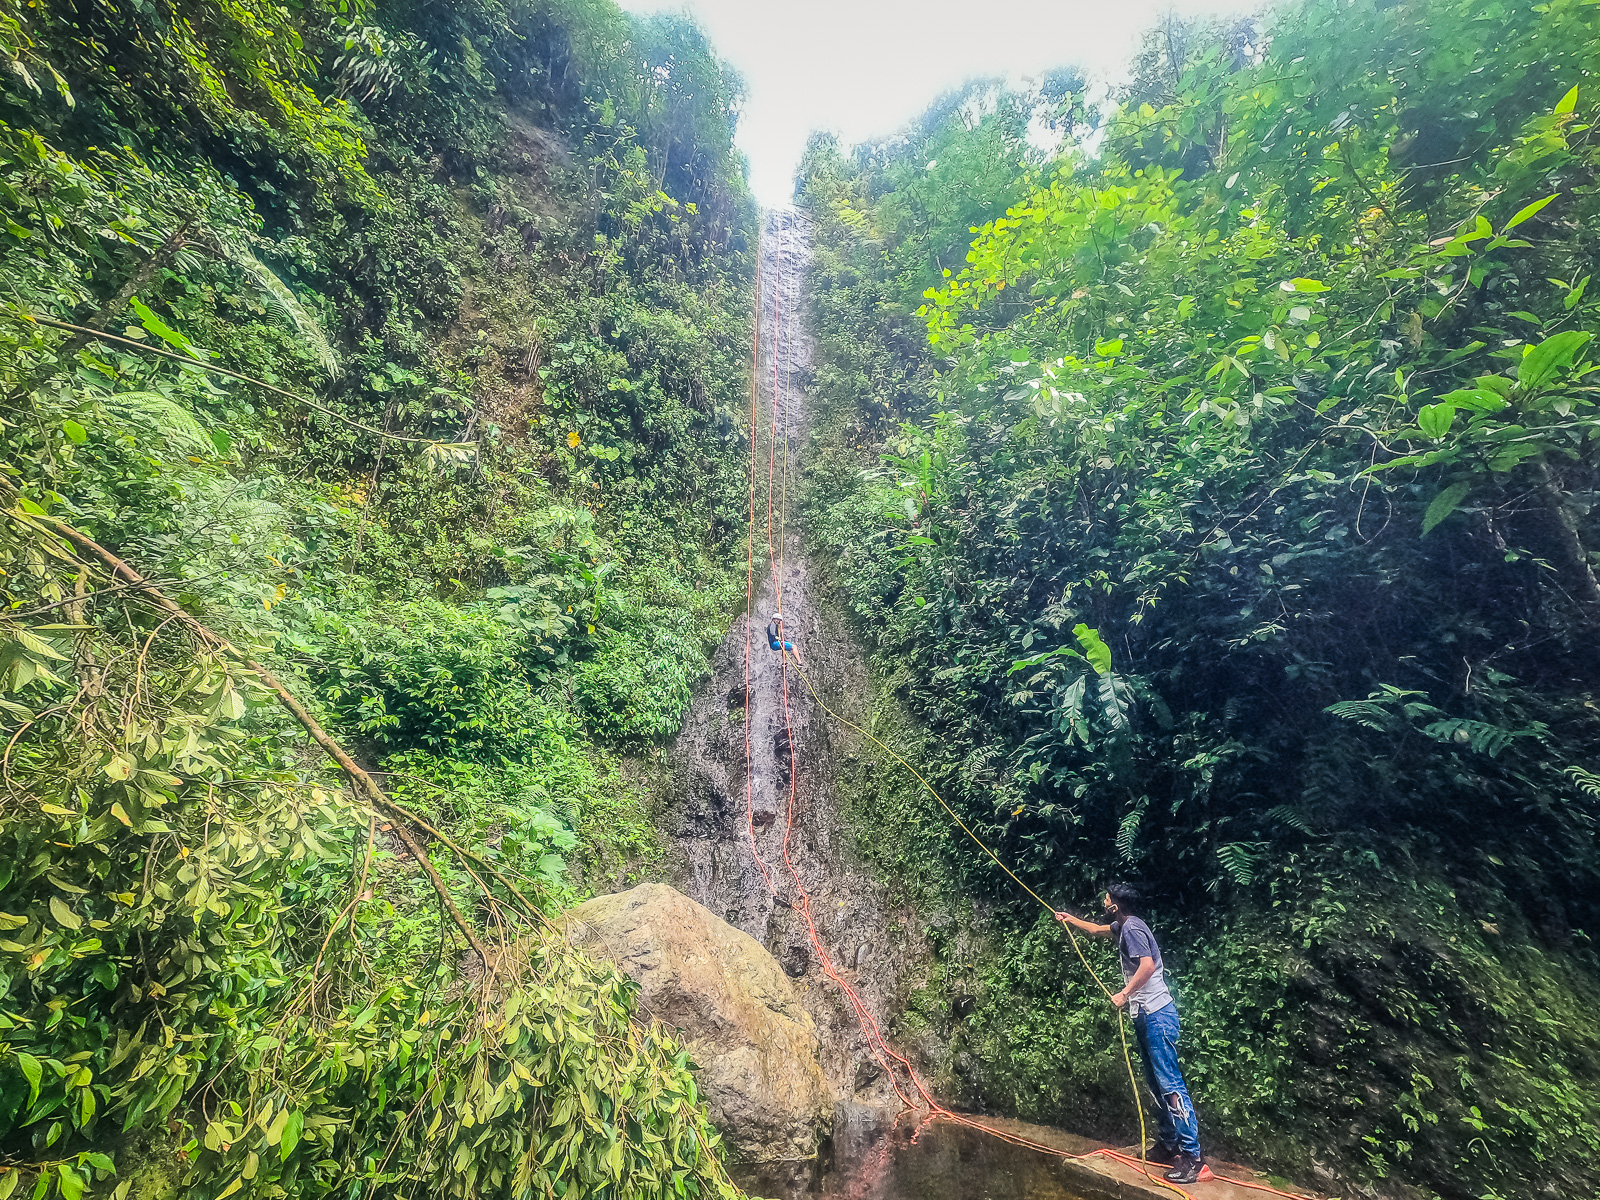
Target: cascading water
{"x":724,"y":821}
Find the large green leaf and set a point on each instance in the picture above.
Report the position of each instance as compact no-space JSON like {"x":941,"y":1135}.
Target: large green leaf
{"x":1094,"y":649}
{"x":1527,"y":212}
{"x":1435,"y":419}
{"x":1475,"y":399}
{"x":32,"y":1071}
{"x":1542,"y":363}
{"x":1442,"y":505}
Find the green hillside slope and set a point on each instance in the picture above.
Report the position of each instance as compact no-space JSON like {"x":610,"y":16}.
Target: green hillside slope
{"x":1216,"y":492}
{"x":487,"y":270}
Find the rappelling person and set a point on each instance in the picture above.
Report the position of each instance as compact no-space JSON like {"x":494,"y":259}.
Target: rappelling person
{"x":775,"y":637}
{"x":1155,"y":1022}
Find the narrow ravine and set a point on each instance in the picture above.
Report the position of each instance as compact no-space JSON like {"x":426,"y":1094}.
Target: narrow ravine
{"x":762,"y":835}
{"x":1175,"y":448}
{"x":747,"y":842}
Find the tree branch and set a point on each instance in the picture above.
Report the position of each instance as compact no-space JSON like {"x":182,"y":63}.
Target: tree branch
{"x":362,"y":783}
{"x":1567,"y":536}
{"x":206,"y":366}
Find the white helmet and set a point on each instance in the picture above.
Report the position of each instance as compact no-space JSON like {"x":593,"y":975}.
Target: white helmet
{"x":777,"y":616}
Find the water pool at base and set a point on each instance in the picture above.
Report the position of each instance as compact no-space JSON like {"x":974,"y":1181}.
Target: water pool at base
{"x":873,"y":1159}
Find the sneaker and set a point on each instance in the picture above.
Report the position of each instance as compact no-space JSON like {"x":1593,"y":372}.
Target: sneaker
{"x":1163,"y":1154}
{"x":1186,"y":1170}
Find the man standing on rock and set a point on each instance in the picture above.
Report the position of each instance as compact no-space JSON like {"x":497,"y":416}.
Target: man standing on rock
{"x":1155,"y":1022}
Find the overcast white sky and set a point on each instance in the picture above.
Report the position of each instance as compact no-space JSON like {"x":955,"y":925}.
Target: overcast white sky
{"x":863,"y":68}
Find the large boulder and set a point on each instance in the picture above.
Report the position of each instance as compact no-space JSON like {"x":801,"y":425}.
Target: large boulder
{"x":757,"y":1049}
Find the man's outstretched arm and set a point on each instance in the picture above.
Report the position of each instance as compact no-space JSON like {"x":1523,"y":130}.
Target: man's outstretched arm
{"x":1067,"y":918}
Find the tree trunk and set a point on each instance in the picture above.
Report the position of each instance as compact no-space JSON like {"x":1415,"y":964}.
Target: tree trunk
{"x":117,"y":305}
{"x":1565,"y":528}
{"x":114,"y":307}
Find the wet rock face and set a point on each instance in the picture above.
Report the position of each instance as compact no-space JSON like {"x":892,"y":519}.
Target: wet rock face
{"x":753,"y":813}
{"x":756,"y":1045}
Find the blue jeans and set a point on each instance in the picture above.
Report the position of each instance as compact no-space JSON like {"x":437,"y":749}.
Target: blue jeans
{"x":789,"y":646}
{"x":1157,"y":1032}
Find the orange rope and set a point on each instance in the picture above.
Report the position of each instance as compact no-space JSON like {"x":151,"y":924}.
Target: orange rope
{"x":750,"y":577}
{"x":876,"y":1044}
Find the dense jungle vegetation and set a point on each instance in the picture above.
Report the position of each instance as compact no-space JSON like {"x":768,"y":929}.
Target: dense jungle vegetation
{"x":1215,"y":488}
{"x":1209,"y":467}
{"x":398,"y":345}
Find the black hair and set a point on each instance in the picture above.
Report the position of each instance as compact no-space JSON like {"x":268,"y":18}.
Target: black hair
{"x":1126,"y":897}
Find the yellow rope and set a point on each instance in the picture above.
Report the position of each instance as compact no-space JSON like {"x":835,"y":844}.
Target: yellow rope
{"x":1122,"y":1027}
{"x":783,"y":521}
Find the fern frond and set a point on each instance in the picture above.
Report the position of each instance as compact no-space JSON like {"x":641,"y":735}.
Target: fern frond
{"x":1128,"y":830}
{"x":1378,"y":710}
{"x":1362,"y":712}
{"x":981,"y":759}
{"x":283,"y":303}
{"x":163,"y":417}
{"x":1284,"y":815}
{"x":1241,"y":860}
{"x":1482,"y":737}
{"x":1588,"y":782}
{"x":301,"y":319}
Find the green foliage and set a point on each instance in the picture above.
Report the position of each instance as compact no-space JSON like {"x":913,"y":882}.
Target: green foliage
{"x":639,"y":682}
{"x":238,"y":70}
{"x":196,"y":933}
{"x":551,"y":1082}
{"x":444,"y":685}
{"x":889,"y":218}
{"x":517,"y":229}
{"x":1319,"y":290}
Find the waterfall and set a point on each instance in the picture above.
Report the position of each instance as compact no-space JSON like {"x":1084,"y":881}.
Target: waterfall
{"x":718,"y":826}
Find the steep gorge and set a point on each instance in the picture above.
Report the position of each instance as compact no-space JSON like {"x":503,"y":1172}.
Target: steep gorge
{"x":1199,"y":489}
